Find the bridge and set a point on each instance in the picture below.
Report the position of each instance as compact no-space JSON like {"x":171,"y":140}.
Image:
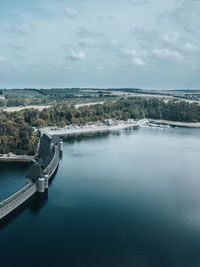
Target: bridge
{"x":39,"y":175}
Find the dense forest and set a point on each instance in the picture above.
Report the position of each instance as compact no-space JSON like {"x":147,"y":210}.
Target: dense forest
{"x":16,"y":134}
{"x":136,"y":108}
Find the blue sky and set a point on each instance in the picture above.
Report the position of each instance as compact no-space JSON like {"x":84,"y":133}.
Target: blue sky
{"x":150,"y":44}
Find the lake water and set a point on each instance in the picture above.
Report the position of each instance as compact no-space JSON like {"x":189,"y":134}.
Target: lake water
{"x":128,"y":199}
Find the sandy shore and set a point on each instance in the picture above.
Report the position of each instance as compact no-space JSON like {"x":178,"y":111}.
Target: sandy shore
{"x":68,"y":130}
{"x":14,"y":109}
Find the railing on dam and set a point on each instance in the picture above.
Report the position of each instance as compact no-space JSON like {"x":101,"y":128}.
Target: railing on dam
{"x":11,"y":203}
{"x":51,"y":168}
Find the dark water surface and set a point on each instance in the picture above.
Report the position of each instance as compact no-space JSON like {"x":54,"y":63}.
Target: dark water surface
{"x":117,"y":200}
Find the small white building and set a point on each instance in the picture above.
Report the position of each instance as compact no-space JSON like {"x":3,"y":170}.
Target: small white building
{"x":130,"y":120}
{"x":108,"y":122}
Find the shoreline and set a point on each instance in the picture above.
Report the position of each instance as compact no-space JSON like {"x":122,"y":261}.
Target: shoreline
{"x":16,"y":158}
{"x":176,"y":123}
{"x":70,"y":130}
{"x":88,"y":128}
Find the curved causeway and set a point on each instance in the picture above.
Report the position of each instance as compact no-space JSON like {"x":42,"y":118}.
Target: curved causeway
{"x":39,"y":175}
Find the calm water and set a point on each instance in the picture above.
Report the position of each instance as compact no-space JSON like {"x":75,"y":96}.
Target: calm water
{"x":117,"y":200}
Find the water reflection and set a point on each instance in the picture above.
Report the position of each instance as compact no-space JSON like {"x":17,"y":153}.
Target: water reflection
{"x":97,"y":135}
{"x":39,"y":200}
{"x":34,"y":203}
{"x":127,"y":200}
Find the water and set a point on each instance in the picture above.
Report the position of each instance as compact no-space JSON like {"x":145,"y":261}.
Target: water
{"x":117,"y":200}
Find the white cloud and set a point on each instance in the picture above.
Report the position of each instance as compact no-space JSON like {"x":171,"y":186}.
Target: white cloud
{"x":71,"y":12}
{"x":171,"y":39}
{"x":76,"y":55}
{"x":26,"y":28}
{"x":133,"y":55}
{"x":138,"y":62}
{"x":129,"y":52}
{"x":87,"y":41}
{"x":191,"y":47}
{"x":3,"y":59}
{"x":167,"y":54}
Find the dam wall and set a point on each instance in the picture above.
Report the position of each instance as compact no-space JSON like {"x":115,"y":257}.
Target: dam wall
{"x":14,"y":201}
{"x":39,"y":174}
{"x":53,"y":164}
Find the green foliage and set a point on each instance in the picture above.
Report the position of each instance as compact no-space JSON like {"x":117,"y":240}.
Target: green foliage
{"x":136,"y":108}
{"x":16,"y":134}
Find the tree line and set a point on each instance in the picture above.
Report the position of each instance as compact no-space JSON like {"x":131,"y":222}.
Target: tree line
{"x":16,"y":133}
{"x":136,"y":108}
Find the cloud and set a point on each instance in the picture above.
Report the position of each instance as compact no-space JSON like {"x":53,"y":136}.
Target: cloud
{"x":190,"y":47}
{"x":134,"y":56}
{"x":76,"y":55}
{"x":71,"y":12}
{"x":129,"y":52}
{"x":145,"y":36}
{"x":26,"y":29}
{"x":87,"y":42}
{"x":138,"y":62}
{"x":167,"y":54}
{"x":3,"y":59}
{"x":171,"y":39}
{"x":111,"y":45}
{"x":15,"y":46}
{"x":184,"y":17}
{"x":84,"y":32}
{"x":105,"y":18}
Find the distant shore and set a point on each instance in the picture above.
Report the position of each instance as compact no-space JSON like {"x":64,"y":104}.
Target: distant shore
{"x":98,"y":127}
{"x":75,"y":129}
{"x":69,"y":130}
{"x":177,"y":123}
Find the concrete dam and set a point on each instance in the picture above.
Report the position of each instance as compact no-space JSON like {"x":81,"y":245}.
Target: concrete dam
{"x":39,"y":174}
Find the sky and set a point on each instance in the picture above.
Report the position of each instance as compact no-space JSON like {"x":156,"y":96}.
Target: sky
{"x":149,"y":44}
